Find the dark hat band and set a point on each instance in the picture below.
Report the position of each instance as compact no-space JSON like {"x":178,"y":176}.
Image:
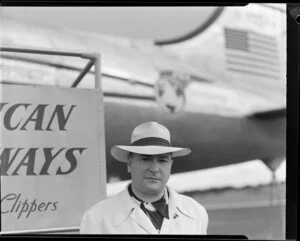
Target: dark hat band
{"x":151,"y":141}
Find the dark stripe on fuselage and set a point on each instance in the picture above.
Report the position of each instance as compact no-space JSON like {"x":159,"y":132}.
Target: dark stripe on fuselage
{"x":214,"y":140}
{"x":269,"y":114}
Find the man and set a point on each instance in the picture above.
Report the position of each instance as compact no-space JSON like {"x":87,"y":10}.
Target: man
{"x":147,"y":205}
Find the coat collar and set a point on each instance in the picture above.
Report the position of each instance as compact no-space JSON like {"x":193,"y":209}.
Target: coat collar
{"x":126,"y":208}
{"x":177,"y":205}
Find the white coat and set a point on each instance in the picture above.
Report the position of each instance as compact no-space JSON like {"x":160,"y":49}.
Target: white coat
{"x":121,"y":215}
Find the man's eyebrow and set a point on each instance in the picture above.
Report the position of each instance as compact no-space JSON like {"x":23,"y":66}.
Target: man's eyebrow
{"x":164,"y":155}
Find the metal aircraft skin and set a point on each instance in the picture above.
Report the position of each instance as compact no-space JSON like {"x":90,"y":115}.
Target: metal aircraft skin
{"x":220,"y":90}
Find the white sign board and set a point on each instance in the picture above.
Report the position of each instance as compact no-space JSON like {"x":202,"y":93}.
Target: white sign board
{"x":52,"y":156}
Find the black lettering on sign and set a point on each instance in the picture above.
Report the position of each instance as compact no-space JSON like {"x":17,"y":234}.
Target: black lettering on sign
{"x":39,"y":112}
{"x":30,"y":156}
{"x":8,"y":116}
{"x":37,"y":119}
{"x":16,"y":204}
{"x":72,"y":159}
{"x":62,"y":119}
{"x":12,"y":160}
{"x":48,"y":159}
{"x":5,"y":161}
{"x":2,"y":105}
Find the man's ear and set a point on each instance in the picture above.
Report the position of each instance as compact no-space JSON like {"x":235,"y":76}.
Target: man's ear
{"x":128,"y":166}
{"x":171,"y":162}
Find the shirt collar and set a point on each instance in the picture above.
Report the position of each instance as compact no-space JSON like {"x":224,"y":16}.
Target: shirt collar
{"x":160,"y":205}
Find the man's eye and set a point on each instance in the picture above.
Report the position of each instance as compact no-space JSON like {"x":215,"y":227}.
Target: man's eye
{"x":164,"y":160}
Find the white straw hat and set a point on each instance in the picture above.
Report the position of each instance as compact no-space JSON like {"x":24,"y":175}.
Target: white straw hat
{"x":150,"y":138}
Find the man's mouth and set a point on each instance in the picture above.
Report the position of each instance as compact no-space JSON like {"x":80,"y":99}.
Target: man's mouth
{"x":153,"y":178}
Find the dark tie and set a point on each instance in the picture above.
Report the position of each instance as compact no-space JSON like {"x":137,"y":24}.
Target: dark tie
{"x":157,"y":216}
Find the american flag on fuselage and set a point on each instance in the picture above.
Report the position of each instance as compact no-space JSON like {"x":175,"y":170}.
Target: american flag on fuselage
{"x":251,"y":53}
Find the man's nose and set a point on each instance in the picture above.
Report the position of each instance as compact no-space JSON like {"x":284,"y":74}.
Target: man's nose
{"x":154,"y":165}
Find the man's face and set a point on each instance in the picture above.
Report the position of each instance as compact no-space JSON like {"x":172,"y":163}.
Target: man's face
{"x":149,"y":173}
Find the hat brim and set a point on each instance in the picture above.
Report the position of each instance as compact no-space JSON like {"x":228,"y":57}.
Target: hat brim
{"x":120,"y":153}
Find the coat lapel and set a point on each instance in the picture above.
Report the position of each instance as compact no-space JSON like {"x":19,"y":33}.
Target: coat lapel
{"x":140,"y":218}
{"x":176,"y":211}
{"x":173,"y":218}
